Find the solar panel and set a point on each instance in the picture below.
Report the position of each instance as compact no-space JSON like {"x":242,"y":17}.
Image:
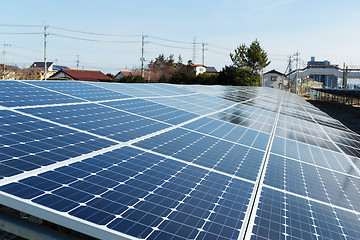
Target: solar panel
{"x":160,"y":161}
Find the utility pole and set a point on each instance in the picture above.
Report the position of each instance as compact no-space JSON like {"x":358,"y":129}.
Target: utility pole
{"x":45,"y":64}
{"x":297,"y":70}
{"x":345,"y":73}
{"x":142,"y":54}
{"x":194,"y":51}
{"x":4,"y":75}
{"x":203,"y":53}
{"x":77,"y":61}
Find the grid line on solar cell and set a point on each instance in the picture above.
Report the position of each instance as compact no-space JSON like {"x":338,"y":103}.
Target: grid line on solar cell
{"x":61,"y":202}
{"x":82,"y":130}
{"x":204,"y":150}
{"x":196,"y":164}
{"x":18,"y":93}
{"x":300,"y":218}
{"x":312,"y":187}
{"x":313,"y":155}
{"x":313,"y":183}
{"x":250,"y":216}
{"x":29,"y":143}
{"x":78,"y":90}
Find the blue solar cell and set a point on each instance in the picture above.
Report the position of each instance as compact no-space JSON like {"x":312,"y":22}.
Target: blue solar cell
{"x":16,"y":93}
{"x":194,"y":181}
{"x":80,"y":90}
{"x":93,"y":215}
{"x":100,"y":120}
{"x":21,"y":190}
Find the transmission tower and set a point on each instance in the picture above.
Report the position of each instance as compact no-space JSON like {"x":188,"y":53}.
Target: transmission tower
{"x":194,"y":51}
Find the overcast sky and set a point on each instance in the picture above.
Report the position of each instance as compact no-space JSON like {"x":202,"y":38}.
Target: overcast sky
{"x":326,"y":29}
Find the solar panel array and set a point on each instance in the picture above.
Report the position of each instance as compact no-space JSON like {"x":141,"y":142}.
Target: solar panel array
{"x":158,"y":161}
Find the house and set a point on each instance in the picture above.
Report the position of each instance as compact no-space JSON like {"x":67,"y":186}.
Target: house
{"x":81,"y":75}
{"x":49,"y":66}
{"x":200,"y":69}
{"x":59,"y":67}
{"x":274,"y":79}
{"x":37,"y":70}
{"x":211,"y":70}
{"x":8,"y":72}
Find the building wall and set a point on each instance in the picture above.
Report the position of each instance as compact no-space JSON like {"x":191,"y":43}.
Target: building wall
{"x":62,"y":75}
{"x":274,"y":80}
{"x":329,"y":81}
{"x":200,"y":70}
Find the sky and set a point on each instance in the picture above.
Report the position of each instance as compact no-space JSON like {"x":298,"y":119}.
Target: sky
{"x":107,"y":35}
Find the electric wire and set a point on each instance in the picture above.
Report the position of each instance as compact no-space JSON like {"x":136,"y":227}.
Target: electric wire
{"x":19,"y":25}
{"x":92,"y":40}
{"x":164,"y":45}
{"x":169,"y":40}
{"x":94,"y":33}
{"x":20,"y":33}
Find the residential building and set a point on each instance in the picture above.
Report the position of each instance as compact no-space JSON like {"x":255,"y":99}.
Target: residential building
{"x":8,"y":72}
{"x":274,"y":79}
{"x":37,"y":71}
{"x":200,"y":69}
{"x":329,"y":81}
{"x":81,"y":75}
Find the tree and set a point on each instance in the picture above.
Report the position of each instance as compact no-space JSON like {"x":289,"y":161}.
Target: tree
{"x":232,"y":75}
{"x":164,"y":67}
{"x":248,"y":62}
{"x":184,"y":74}
{"x":252,"y":57}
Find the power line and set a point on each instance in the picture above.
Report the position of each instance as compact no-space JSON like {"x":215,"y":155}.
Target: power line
{"x":92,"y":40}
{"x":164,"y":45}
{"x":169,"y":40}
{"x":23,"y":33}
{"x":94,"y":33}
{"x":19,"y":25}
{"x":216,"y":46}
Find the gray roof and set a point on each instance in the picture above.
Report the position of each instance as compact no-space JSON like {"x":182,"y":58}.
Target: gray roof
{"x":41,"y":64}
{"x":211,"y":70}
{"x":274,"y":71}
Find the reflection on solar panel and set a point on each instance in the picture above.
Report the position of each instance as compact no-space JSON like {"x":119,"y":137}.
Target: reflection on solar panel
{"x":163,"y":161}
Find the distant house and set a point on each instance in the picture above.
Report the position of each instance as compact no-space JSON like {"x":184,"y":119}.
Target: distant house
{"x":200,"y":69}
{"x":81,"y":75}
{"x":37,"y":70}
{"x":49,"y":65}
{"x":211,"y":70}
{"x":274,"y":79}
{"x":59,"y":67}
{"x":8,"y":72}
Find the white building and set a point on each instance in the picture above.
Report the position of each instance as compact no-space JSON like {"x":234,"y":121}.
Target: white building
{"x":274,"y":79}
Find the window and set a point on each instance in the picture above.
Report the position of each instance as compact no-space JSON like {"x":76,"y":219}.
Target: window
{"x":273,"y":78}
